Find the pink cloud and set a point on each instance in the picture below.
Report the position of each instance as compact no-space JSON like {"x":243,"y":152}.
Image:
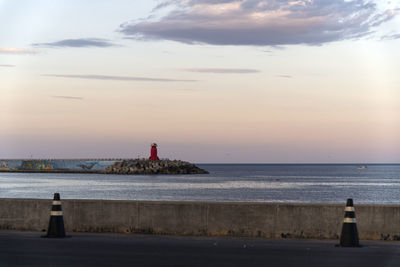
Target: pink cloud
{"x":260,"y":22}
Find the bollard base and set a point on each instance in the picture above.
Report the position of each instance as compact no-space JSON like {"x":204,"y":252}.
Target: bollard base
{"x":340,"y":246}
{"x":59,"y":237}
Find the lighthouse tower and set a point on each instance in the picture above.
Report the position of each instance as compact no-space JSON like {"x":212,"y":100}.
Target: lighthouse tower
{"x":153,"y":152}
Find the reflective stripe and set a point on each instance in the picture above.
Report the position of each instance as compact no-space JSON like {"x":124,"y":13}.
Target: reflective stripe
{"x":349,"y":209}
{"x":349,"y":220}
{"x":56,"y":213}
{"x":56,"y":202}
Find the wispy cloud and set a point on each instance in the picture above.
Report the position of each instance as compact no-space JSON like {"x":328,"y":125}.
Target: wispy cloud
{"x":67,"y":97}
{"x":222,"y":70}
{"x":7,"y":65}
{"x":83,"y":42}
{"x":116,"y":78}
{"x":17,"y":51}
{"x":391,"y":36}
{"x":284,"y":76}
{"x":260,"y":22}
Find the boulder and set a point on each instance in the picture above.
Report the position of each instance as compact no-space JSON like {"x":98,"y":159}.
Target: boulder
{"x":145,"y":166}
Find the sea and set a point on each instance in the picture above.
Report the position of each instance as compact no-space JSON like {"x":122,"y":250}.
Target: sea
{"x":282,"y":183}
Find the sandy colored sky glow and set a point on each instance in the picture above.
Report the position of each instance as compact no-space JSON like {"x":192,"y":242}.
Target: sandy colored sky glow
{"x":261,"y":81}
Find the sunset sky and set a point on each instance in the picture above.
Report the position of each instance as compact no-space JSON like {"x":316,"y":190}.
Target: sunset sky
{"x":264,"y":81}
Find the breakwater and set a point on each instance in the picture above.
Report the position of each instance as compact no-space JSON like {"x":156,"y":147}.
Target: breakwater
{"x":103,"y":166}
{"x":140,"y":166}
{"x":266,"y":220}
{"x":56,"y":165}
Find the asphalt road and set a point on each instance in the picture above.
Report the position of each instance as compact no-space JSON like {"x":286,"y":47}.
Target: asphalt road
{"x":28,"y":249}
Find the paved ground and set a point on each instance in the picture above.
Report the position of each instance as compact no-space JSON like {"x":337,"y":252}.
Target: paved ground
{"x":28,"y":249}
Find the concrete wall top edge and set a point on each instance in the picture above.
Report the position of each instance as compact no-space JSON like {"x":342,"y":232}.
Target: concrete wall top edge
{"x":205,"y":202}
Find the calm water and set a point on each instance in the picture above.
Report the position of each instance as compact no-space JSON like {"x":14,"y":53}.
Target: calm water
{"x":226,"y":182}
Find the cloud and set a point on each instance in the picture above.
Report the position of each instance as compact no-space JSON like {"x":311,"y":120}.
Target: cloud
{"x":7,"y":65}
{"x":284,"y":76}
{"x":222,"y":70}
{"x":260,"y":22}
{"x":116,"y":78}
{"x":17,"y":51}
{"x":391,"y":36}
{"x":67,"y":97}
{"x":83,"y":42}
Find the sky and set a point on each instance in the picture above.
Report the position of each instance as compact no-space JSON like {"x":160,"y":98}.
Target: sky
{"x":210,"y":81}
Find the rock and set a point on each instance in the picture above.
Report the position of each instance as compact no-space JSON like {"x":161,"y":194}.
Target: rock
{"x":145,"y":166}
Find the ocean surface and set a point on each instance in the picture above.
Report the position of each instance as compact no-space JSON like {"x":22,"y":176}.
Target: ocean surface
{"x":307,"y":183}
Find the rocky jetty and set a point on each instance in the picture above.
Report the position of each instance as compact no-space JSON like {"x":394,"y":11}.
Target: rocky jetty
{"x":145,"y":166}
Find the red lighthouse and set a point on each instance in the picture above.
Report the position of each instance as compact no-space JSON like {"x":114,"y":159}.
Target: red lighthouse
{"x":153,"y":152}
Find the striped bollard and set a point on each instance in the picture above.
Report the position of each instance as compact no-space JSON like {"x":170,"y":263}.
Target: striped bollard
{"x":56,"y":224}
{"x":349,"y":236}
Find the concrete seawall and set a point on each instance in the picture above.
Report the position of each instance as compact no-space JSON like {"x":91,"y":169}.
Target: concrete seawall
{"x":268,"y":220}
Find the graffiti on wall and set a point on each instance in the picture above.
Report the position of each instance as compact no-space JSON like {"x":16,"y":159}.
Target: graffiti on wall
{"x":36,"y":165}
{"x":54,"y":165}
{"x":4,"y":166}
{"x":87,"y":166}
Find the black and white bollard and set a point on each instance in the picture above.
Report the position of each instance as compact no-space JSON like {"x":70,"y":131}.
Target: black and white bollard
{"x":349,"y":236}
{"x":56,"y":224}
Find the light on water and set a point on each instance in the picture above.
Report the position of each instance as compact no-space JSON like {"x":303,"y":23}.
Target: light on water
{"x":379,"y":184}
